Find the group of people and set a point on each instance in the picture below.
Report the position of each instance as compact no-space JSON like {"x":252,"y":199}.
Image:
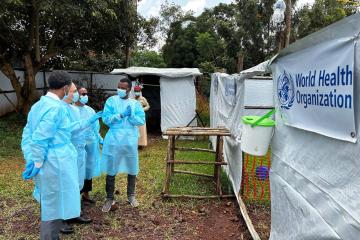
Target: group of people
{"x":61,"y":146}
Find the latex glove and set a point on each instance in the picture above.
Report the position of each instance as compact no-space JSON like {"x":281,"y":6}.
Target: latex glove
{"x":127,"y":112}
{"x":30,"y":171}
{"x":101,"y":141}
{"x":95,"y":117}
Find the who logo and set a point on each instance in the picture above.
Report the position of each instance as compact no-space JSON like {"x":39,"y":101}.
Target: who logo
{"x":285,"y":90}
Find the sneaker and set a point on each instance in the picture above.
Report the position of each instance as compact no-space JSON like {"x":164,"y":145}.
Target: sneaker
{"x":133,"y":202}
{"x":109,"y":203}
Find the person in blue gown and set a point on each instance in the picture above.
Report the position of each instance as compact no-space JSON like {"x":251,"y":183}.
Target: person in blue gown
{"x":120,"y":150}
{"x":78,"y":140}
{"x":51,"y":158}
{"x":93,"y":140}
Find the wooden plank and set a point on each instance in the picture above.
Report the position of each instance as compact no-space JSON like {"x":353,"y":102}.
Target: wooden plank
{"x":195,"y":149}
{"x":196,"y":196}
{"x":195,"y":162}
{"x":193,"y":173}
{"x":168,"y":167}
{"x":247,"y":219}
{"x":219,"y":159}
{"x":171,"y":133}
{"x":172,"y":151}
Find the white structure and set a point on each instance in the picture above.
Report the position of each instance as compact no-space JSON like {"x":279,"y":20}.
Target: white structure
{"x":315,"y":174}
{"x":177,"y":103}
{"x":234,"y":96}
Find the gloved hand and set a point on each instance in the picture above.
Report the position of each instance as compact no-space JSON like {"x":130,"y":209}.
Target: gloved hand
{"x":126,"y":113}
{"x":95,"y":117}
{"x":30,"y":171}
{"x":101,"y":141}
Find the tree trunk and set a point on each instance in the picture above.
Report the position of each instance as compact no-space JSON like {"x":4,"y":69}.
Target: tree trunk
{"x":239,"y":62}
{"x":127,"y":56}
{"x":9,"y":72}
{"x":287,"y":23}
{"x":29,"y":91}
{"x":280,"y":39}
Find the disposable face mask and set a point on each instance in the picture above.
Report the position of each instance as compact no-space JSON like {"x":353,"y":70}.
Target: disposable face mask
{"x":121,"y":92}
{"x":84,"y":99}
{"x":137,"y":94}
{"x":75,"y":97}
{"x":66,"y":95}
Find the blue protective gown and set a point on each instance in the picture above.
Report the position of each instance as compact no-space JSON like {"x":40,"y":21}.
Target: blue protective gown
{"x":46,"y":139}
{"x":78,"y":140}
{"x":120,"y":149}
{"x":92,"y":140}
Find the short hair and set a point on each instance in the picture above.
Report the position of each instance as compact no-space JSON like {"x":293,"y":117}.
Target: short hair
{"x":59,"y":79}
{"x":79,"y":84}
{"x":127,"y":80}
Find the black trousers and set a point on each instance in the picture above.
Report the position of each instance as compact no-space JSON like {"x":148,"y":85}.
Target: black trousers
{"x":110,"y":186}
{"x":87,"y":186}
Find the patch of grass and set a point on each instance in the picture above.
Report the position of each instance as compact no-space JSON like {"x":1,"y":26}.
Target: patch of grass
{"x":11,"y":127}
{"x":19,"y":209}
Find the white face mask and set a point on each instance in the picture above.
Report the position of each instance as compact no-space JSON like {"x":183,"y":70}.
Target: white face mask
{"x":137,"y":94}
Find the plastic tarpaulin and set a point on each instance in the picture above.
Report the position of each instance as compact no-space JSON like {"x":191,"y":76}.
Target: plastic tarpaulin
{"x":229,"y":95}
{"x":161,"y":72}
{"x":178,"y":102}
{"x":226,"y":109}
{"x":315,"y":180}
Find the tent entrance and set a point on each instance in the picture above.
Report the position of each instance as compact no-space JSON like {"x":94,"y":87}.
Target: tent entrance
{"x":151,"y":92}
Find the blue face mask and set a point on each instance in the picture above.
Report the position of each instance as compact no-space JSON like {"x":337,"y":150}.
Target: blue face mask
{"x":66,"y":95}
{"x":137,"y":94}
{"x":84,"y":99}
{"x":75,"y":97}
{"x":121,"y":93}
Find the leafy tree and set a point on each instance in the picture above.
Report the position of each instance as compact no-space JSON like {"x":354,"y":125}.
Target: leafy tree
{"x":321,"y":14}
{"x":38,"y":33}
{"x":147,"y":58}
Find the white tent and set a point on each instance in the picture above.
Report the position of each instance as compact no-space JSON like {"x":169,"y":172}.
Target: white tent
{"x":315,"y":173}
{"x":177,"y":92}
{"x":231,"y":97}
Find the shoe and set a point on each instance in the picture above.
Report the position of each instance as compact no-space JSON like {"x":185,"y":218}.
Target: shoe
{"x":88,"y":201}
{"x":109,"y":204}
{"x":133,"y":202}
{"x":81,"y":220}
{"x":66,"y":229}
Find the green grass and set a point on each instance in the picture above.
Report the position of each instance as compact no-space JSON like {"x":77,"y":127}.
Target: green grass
{"x":10,"y":135}
{"x":18,"y":207}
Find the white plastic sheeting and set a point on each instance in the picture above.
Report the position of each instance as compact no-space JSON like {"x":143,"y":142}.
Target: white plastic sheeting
{"x":226,"y":107}
{"x":177,"y":93}
{"x":259,"y":93}
{"x":315,"y":180}
{"x":178,"y":102}
{"x":228,"y":97}
{"x":7,"y":106}
{"x":162,"y":72}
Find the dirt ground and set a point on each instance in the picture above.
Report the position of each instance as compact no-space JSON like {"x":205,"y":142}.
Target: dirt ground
{"x":154,"y":219}
{"x":206,"y":220}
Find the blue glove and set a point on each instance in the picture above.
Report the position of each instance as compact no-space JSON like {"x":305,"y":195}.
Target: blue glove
{"x":30,"y":171}
{"x":94,"y":118}
{"x":127,"y":112}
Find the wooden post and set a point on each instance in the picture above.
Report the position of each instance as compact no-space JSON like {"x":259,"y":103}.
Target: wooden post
{"x":172,"y":153}
{"x":168,"y":166}
{"x":219,"y":157}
